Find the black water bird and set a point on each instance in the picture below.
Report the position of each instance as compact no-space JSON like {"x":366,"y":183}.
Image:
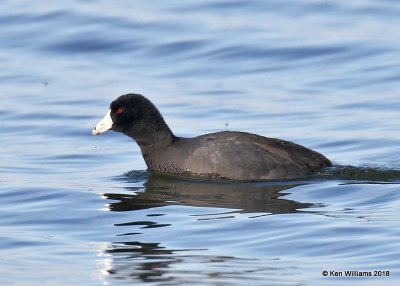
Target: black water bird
{"x":226,"y":155}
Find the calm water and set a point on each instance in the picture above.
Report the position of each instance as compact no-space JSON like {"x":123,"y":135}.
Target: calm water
{"x":82,"y":210}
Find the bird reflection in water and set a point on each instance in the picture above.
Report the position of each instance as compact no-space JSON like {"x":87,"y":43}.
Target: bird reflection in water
{"x":245,"y":197}
{"x":145,"y":261}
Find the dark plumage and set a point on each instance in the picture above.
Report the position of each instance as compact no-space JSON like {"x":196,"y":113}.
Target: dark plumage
{"x":229,"y":154}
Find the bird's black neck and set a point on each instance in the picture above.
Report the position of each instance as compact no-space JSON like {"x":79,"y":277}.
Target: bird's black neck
{"x":155,"y":141}
{"x":153,"y":136}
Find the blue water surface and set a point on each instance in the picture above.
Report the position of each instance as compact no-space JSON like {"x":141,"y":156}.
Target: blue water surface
{"x":83,"y":210}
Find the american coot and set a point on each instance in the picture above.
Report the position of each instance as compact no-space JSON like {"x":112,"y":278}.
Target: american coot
{"x":229,"y":154}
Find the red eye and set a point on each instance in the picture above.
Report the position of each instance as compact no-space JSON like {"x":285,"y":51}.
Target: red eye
{"x":120,"y":111}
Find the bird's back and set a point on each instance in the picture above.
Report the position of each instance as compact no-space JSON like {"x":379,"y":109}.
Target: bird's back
{"x":240,"y":155}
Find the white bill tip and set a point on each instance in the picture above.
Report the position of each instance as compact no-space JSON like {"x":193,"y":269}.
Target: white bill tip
{"x":104,"y":124}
